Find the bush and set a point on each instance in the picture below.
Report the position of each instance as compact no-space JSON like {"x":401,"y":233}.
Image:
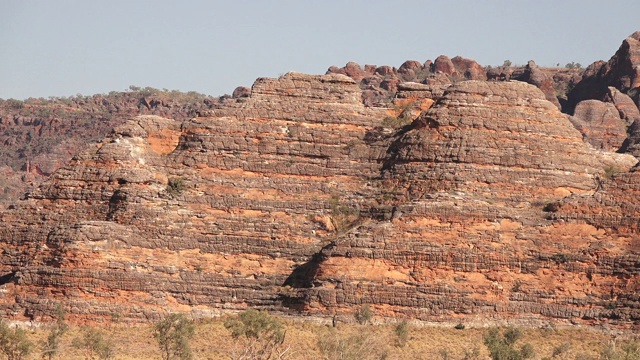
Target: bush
{"x":402,"y":333}
{"x":13,"y":342}
{"x":560,"y":258}
{"x":342,"y":215}
{"x":560,"y":349}
{"x":94,"y":344}
{"x":173,"y":334}
{"x":573,"y":65}
{"x":260,"y":335}
{"x":501,"y":346}
{"x":363,"y":314}
{"x":51,"y":346}
{"x":627,"y":350}
{"x":610,"y":171}
{"x":516,"y":286}
{"x":176,"y":186}
{"x":348,"y":346}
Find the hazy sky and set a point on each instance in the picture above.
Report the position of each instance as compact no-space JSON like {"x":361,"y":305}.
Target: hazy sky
{"x":61,"y":48}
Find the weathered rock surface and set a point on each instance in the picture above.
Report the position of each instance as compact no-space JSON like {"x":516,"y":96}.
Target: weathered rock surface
{"x":408,"y":189}
{"x":299,"y":198}
{"x":464,"y":239}
{"x":38,"y":136}
{"x":532,"y":74}
{"x":600,"y":124}
{"x":622,"y":72}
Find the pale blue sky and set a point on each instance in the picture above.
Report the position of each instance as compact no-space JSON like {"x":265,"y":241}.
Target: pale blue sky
{"x":65,"y":47}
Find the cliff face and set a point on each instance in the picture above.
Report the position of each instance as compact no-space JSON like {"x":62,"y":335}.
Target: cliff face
{"x":300,"y":198}
{"x":471,"y":237}
{"x":475,"y":202}
{"x":212,"y":212}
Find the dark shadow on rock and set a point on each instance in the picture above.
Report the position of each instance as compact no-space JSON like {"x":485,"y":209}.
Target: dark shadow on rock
{"x":7,"y":278}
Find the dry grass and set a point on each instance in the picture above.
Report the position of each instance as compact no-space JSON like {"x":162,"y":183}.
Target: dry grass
{"x":310,"y":340}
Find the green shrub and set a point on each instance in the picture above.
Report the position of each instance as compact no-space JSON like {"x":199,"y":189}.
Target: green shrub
{"x":573,"y":65}
{"x":402,"y":333}
{"x":51,"y":345}
{"x":14,"y":343}
{"x":16,"y":104}
{"x":261,"y":335}
{"x":560,"y":258}
{"x":173,"y":334}
{"x":255,"y":324}
{"x":176,"y":186}
{"x":610,"y":171}
{"x":94,"y":343}
{"x":342,"y":215}
{"x":363,"y":314}
{"x":516,"y":286}
{"x":394,"y":122}
{"x":501,"y":346}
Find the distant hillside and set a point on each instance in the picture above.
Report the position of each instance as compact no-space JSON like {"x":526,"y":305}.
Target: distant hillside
{"x":37,"y":136}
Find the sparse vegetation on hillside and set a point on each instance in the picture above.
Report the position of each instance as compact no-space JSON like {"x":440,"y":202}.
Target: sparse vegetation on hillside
{"x":14,"y":343}
{"x":573,"y":65}
{"x":176,"y":186}
{"x":300,"y":340}
{"x":51,"y":346}
{"x":363,"y":314}
{"x":173,"y":334}
{"x":94,"y":344}
{"x":342,"y":214}
{"x":260,"y":335}
{"x":502,"y":345}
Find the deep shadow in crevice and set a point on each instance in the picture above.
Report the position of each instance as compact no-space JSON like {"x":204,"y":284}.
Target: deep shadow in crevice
{"x":7,"y":278}
{"x":303,"y":276}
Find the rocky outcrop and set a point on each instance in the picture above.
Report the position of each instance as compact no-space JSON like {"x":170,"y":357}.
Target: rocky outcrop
{"x":532,"y":74}
{"x":299,"y":198}
{"x":600,"y":124}
{"x":469,"y":69}
{"x":408,"y":189}
{"x":209,"y":214}
{"x":464,"y":240}
{"x":622,"y":72}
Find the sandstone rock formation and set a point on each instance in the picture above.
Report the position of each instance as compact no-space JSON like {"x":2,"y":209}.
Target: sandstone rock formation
{"x":532,"y":74}
{"x":622,"y":72}
{"x":600,"y":124}
{"x":39,"y":136}
{"x":408,"y":189}
{"x":299,"y":198}
{"x":464,"y":240}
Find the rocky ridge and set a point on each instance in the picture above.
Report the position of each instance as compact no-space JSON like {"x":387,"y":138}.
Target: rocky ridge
{"x":460,"y":201}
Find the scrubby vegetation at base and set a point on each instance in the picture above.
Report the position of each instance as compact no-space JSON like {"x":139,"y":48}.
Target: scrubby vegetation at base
{"x":283,"y":338}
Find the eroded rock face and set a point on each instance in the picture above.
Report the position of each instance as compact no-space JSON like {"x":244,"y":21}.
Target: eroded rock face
{"x":207,"y":214}
{"x":535,"y":76}
{"x":471,"y":240}
{"x":300,"y":198}
{"x":622,"y":72}
{"x":600,"y":124}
